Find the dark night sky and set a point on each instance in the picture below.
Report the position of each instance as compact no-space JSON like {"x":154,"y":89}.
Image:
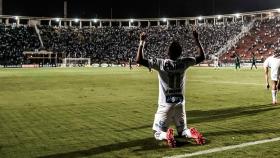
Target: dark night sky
{"x":134,"y":9}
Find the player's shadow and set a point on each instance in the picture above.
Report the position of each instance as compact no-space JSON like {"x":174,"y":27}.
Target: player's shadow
{"x":198,"y":116}
{"x":195,"y":116}
{"x":143,"y":144}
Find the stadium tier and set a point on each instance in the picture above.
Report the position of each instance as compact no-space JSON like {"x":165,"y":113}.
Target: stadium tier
{"x":262,"y":40}
{"x":108,"y":44}
{"x":116,"y":44}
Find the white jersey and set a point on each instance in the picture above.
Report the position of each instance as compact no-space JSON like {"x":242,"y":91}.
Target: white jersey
{"x":216,"y":61}
{"x":274,"y":64}
{"x":171,"y":76}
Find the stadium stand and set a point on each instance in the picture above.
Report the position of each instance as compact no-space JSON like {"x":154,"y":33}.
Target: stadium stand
{"x":116,"y":44}
{"x":109,"y":44}
{"x":262,"y":40}
{"x":14,"y":40}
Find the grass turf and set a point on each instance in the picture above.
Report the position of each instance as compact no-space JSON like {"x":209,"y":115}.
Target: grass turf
{"x":108,"y":112}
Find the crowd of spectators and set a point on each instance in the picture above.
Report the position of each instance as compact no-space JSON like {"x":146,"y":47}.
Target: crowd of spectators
{"x":110,"y":44}
{"x":14,"y":40}
{"x":262,"y":40}
{"x":216,"y":36}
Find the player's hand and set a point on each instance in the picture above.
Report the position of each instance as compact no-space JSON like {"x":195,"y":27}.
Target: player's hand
{"x":267,"y":86}
{"x":143,"y":36}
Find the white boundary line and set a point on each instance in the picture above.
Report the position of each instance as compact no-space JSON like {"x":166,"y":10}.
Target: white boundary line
{"x":225,"y":148}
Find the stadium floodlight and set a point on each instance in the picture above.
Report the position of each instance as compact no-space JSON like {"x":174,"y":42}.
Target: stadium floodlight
{"x":57,"y":19}
{"x":76,"y":20}
{"x":131,"y":20}
{"x":164,"y":19}
{"x":95,"y":20}
{"x":237,"y":15}
{"x":16,"y":17}
{"x":219,"y":17}
{"x":200,"y":18}
{"x":278,"y":10}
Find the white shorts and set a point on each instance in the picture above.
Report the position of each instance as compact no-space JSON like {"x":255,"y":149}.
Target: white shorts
{"x":170,"y":113}
{"x":216,"y":64}
{"x":274,"y":75}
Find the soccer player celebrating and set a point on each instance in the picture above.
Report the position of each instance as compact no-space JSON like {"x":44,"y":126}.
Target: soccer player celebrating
{"x":272,"y":62}
{"x":171,"y":101}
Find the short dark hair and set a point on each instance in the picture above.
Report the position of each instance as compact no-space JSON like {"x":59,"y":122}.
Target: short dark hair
{"x":175,"y":50}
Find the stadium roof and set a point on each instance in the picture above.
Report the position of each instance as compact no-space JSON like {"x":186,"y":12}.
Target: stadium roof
{"x":57,"y":19}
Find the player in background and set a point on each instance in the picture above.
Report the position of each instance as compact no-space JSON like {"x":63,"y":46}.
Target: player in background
{"x":130,"y":63}
{"x":216,"y":62}
{"x":150,"y":69}
{"x":237,"y":61}
{"x":272,"y":62}
{"x":254,"y":61}
{"x":171,"y":101}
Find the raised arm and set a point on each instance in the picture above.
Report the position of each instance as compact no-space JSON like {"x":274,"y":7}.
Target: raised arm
{"x":140,"y":55}
{"x":201,"y":55}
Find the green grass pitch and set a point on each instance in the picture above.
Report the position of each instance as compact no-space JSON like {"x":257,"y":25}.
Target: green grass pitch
{"x":108,"y":112}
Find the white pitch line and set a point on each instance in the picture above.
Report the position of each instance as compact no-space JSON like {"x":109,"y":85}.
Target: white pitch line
{"x":224,"y":148}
